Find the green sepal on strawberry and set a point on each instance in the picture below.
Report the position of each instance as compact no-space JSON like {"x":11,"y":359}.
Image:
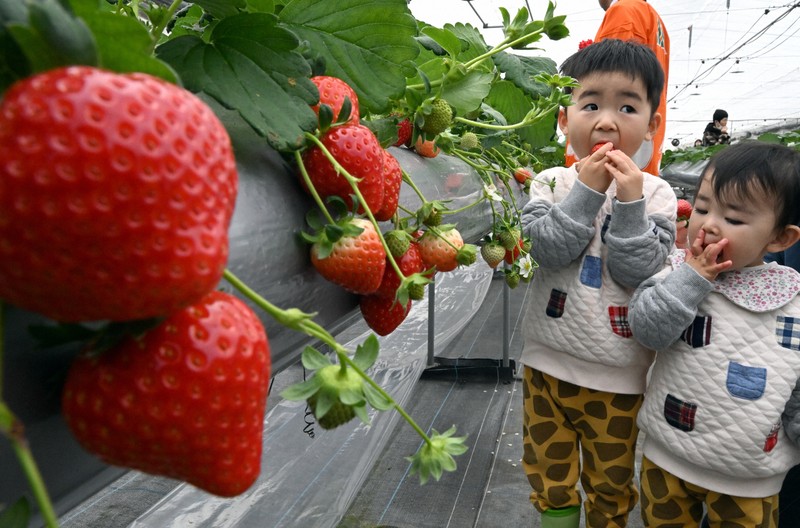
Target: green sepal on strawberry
{"x":435,"y":457}
{"x":349,"y":253}
{"x":409,"y":263}
{"x":336,"y":391}
{"x":185,"y":400}
{"x":116,"y":194}
{"x":358,"y":151}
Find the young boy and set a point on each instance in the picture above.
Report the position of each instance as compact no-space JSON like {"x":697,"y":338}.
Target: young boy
{"x":601,"y":228}
{"x":722,"y":410}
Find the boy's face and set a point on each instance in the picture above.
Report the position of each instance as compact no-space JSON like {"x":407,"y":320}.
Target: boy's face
{"x":747,"y":223}
{"x":608,"y":106}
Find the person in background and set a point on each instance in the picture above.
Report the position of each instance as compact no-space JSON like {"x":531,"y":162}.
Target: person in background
{"x":716,"y":132}
{"x":637,"y":20}
{"x":599,"y":227}
{"x":721,"y":416}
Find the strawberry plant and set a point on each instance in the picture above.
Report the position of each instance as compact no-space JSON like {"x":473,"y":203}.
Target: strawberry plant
{"x":118,"y":184}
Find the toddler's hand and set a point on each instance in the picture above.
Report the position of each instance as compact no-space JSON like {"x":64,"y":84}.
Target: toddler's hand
{"x":592,"y":170}
{"x":705,"y":261}
{"x":629,"y":177}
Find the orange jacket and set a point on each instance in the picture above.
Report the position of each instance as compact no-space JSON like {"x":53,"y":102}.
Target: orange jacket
{"x":638,"y":20}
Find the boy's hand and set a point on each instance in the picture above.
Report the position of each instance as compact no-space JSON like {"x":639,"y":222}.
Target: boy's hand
{"x":629,"y":177}
{"x":592,"y":169}
{"x":705,"y":261}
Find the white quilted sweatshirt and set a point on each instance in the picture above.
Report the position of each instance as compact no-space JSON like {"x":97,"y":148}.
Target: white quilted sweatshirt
{"x":592,"y":252}
{"x":721,"y":410}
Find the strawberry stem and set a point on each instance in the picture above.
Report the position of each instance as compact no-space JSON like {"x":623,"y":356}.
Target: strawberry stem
{"x":297,"y":320}
{"x":158,"y":31}
{"x":12,"y":428}
{"x":311,"y":187}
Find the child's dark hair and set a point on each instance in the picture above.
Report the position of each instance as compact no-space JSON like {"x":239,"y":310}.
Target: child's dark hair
{"x":619,"y":56}
{"x":750,"y":167}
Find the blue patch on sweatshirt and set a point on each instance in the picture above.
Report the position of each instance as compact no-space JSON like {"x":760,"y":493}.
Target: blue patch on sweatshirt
{"x":746,"y":382}
{"x":592,"y":271}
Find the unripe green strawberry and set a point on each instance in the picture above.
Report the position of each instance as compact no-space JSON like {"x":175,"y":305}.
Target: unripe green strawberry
{"x":398,"y":242}
{"x":333,"y":381}
{"x":439,"y":119}
{"x":338,"y":414}
{"x":416,"y":292}
{"x":512,"y":279}
{"x":526,"y":245}
{"x":434,"y":218}
{"x":493,"y":253}
{"x":509,"y":238}
{"x":469,"y":141}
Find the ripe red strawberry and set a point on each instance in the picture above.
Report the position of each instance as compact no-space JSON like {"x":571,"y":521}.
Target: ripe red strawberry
{"x":382,"y":314}
{"x":409,"y":263}
{"x":404,"y":130}
{"x":684,"y":210}
{"x":186,"y":400}
{"x":441,"y":250}
{"x":426,"y":148}
{"x":116,"y":193}
{"x":332,"y":92}
{"x":513,"y":254}
{"x":522,"y":175}
{"x":356,"y":263}
{"x":392,"y":179}
{"x":357,"y":149}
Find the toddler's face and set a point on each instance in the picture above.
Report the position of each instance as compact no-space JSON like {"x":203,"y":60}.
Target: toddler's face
{"x":747,"y":223}
{"x":609,"y":106}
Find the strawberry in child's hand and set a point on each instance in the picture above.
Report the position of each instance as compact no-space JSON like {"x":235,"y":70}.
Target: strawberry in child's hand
{"x":684,"y":210}
{"x":357,"y":149}
{"x":355,"y":261}
{"x":116,"y":193}
{"x":186,"y":400}
{"x":332,"y":92}
{"x":383,"y":314}
{"x":598,"y":146}
{"x":392,"y":179}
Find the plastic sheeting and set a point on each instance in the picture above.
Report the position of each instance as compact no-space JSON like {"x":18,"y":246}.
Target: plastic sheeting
{"x":311,"y":482}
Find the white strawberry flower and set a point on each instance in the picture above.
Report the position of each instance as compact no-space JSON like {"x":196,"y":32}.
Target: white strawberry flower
{"x":526,"y":266}
{"x":491,"y":192}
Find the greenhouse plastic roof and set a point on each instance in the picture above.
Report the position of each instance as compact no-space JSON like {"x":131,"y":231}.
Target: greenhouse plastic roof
{"x":739,"y":55}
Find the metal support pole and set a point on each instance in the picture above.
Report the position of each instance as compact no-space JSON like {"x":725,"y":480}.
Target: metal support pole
{"x":506,"y":321}
{"x":431,"y":320}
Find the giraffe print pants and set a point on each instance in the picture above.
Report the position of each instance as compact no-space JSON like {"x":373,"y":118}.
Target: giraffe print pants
{"x":671,"y":502}
{"x":572,"y":433}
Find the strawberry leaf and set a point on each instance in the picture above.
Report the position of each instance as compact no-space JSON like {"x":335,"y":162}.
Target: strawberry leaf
{"x":16,"y":515}
{"x":466,"y":92}
{"x":365,"y":43}
{"x":250,"y":64}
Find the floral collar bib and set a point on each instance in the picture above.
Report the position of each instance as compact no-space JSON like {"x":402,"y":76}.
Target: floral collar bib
{"x":758,"y":289}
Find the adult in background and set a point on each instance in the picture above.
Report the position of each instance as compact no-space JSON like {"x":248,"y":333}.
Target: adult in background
{"x":637,"y":20}
{"x":716,"y":132}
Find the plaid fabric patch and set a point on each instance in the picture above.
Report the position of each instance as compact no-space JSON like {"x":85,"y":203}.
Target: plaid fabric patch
{"x":698,"y":334}
{"x":679,"y":414}
{"x":787,"y":332}
{"x":555,"y":306}
{"x":591,"y":271}
{"x":604,"y":228}
{"x":618,"y":316}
